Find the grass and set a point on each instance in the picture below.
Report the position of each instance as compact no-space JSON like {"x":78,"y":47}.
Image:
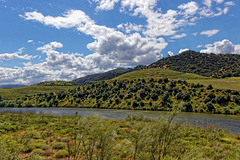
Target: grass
{"x":13,"y":93}
{"x":132,"y":138}
{"x":226,"y":83}
{"x":159,"y":73}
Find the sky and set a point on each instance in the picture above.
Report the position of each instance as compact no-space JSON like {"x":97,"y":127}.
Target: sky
{"x":66,"y":39}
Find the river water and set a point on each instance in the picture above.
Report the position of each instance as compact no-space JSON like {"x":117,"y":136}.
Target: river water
{"x":229,"y":122}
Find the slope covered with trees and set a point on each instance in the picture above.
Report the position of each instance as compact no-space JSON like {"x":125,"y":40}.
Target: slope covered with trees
{"x":210,"y":65}
{"x":139,"y":94}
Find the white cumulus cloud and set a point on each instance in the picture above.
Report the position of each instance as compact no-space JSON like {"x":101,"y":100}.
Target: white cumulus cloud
{"x":105,"y":4}
{"x":178,"y":36}
{"x":16,"y":55}
{"x":121,"y":49}
{"x":222,"y":47}
{"x":30,"y":41}
{"x":210,"y":33}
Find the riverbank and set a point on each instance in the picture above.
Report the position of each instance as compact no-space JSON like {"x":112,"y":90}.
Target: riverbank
{"x":28,"y":135}
{"x":229,"y":122}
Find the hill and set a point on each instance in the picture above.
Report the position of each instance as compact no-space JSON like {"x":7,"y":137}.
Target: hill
{"x":101,"y":76}
{"x":12,"y":86}
{"x":43,"y":87}
{"x":160,"y":94}
{"x":209,"y":65}
{"x":105,"y":76}
{"x":222,"y":83}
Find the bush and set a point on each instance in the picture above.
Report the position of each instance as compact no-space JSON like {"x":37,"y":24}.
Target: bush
{"x":220,"y":99}
{"x":210,"y":106}
{"x":154,"y":96}
{"x":209,"y":87}
{"x":211,"y":95}
{"x":58,"y":145}
{"x":186,"y":97}
{"x":36,"y":157}
{"x":36,"y":151}
{"x":188,"y":107}
{"x":179,"y":96}
{"x":135,"y":104}
{"x":44,"y":147}
{"x":65,"y":139}
{"x":165,"y":96}
{"x":236,"y":99}
{"x":206,"y":100}
{"x":61,"y":154}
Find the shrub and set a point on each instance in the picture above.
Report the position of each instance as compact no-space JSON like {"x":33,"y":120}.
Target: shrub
{"x":36,"y":157}
{"x":166,"y":80}
{"x":186,"y":97}
{"x":165,"y":96}
{"x":209,"y":87}
{"x":206,"y":100}
{"x":154,"y":96}
{"x":61,"y":154}
{"x":236,"y":99}
{"x":58,"y":145}
{"x":211,"y":95}
{"x":36,"y":151}
{"x":210,"y":106}
{"x":135,"y":104}
{"x":65,"y":139}
{"x":141,"y":103}
{"x":44,"y":147}
{"x":220,"y":99}
{"x":188,"y":107}
{"x":179,"y":96}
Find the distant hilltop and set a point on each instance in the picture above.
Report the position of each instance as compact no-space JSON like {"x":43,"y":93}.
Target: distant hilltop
{"x":210,"y":65}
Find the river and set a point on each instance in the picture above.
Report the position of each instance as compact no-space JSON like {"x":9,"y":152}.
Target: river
{"x":229,"y":122}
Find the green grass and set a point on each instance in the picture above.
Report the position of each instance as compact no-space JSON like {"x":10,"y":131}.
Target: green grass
{"x":132,"y":138}
{"x":159,"y":73}
{"x":13,"y":93}
{"x":226,"y":83}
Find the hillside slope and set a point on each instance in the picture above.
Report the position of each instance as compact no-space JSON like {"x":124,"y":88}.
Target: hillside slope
{"x":159,"y":94}
{"x":210,"y":65}
{"x":101,"y":76}
{"x":219,"y":83}
{"x":43,"y":87}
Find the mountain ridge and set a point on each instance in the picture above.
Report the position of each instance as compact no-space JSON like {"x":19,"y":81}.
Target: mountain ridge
{"x":209,"y":65}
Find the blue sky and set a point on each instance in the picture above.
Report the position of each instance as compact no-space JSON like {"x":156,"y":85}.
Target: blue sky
{"x":66,"y":39}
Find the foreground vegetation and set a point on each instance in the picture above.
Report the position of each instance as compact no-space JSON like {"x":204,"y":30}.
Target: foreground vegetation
{"x":32,"y":136}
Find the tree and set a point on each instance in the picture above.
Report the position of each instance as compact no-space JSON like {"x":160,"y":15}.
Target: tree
{"x":210,"y":107}
{"x":165,"y":96}
{"x":211,"y":95}
{"x":154,"y":96}
{"x":209,"y":87}
{"x":236,"y":99}
{"x":220,"y":99}
{"x":179,"y":96}
{"x":135,"y":104}
{"x":166,"y":80}
{"x":188,"y":107}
